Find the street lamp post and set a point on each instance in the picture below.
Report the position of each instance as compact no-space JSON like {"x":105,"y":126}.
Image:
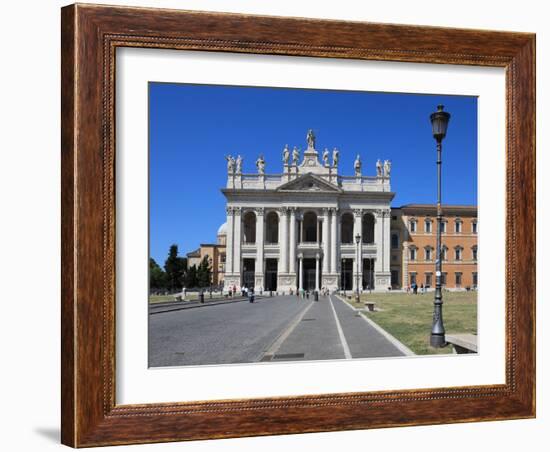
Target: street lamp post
{"x":439,"y":120}
{"x":358,"y":258}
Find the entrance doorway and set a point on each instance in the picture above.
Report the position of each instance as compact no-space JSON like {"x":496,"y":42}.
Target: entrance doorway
{"x":368,"y":274}
{"x":271,"y":274}
{"x":249,"y":268}
{"x":346,"y":274}
{"x":309,"y":274}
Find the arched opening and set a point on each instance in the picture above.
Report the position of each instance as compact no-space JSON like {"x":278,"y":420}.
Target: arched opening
{"x":272,"y":227}
{"x":368,"y":228}
{"x":249,"y":228}
{"x":347,"y":228}
{"x":310,"y":227}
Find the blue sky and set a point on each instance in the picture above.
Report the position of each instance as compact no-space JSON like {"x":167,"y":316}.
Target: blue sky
{"x":192,"y":128}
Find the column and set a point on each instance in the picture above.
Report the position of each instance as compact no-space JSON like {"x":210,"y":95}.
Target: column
{"x":334,"y":241}
{"x":237,"y":241}
{"x":378,"y":239}
{"x":292,"y":241}
{"x":317,"y":235}
{"x":259,"y":269}
{"x":386,"y":248}
{"x":229,"y":242}
{"x":357,"y":229}
{"x":283,"y":240}
{"x":301,"y":274}
{"x":326,"y":248}
{"x":317,"y":272}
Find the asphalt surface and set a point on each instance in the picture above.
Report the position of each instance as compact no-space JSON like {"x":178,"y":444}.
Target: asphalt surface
{"x":222,"y":334}
{"x":271,"y":329}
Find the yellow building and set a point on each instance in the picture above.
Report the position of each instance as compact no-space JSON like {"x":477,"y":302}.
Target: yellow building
{"x":215,"y":253}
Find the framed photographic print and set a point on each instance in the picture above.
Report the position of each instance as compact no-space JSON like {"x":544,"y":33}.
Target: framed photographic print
{"x":281,"y":225}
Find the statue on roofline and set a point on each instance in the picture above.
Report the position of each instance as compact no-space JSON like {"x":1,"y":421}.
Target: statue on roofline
{"x":260,"y":164}
{"x":335,"y":157}
{"x":310,"y":139}
{"x":357,"y":165}
{"x":230,"y":164}
{"x":286,"y":155}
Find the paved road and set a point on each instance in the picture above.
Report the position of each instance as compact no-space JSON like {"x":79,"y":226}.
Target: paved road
{"x":330,"y":329}
{"x":272,"y":329}
{"x":225,"y":333}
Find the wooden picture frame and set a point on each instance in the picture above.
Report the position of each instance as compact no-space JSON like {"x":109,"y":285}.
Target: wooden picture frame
{"x":90,"y":36}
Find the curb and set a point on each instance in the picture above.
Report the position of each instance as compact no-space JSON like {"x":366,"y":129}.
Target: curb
{"x":203,"y":305}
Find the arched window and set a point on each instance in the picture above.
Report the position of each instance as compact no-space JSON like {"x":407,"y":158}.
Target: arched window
{"x":272,"y":227}
{"x":347,"y":228}
{"x":474,"y":226}
{"x":412,"y":225}
{"x":249,"y":228}
{"x":412,"y":253}
{"x":368,"y":228}
{"x":310,"y":227}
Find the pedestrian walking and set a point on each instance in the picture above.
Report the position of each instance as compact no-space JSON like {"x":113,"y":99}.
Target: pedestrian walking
{"x":250,"y":293}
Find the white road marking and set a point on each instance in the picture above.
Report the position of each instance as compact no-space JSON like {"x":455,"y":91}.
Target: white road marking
{"x":279,"y":341}
{"x":345,"y":345}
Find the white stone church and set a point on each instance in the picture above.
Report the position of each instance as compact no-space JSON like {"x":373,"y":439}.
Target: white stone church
{"x":308,"y":227}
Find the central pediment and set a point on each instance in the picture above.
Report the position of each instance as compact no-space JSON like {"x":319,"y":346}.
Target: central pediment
{"x":309,"y":183}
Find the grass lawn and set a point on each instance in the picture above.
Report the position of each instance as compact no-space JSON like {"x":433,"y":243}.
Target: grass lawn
{"x":409,"y":317}
{"x":161,"y":298}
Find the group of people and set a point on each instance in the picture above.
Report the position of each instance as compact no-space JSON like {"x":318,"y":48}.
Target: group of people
{"x":413,"y":288}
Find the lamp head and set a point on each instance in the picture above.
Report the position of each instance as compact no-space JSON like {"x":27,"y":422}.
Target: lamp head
{"x":440,"y":121}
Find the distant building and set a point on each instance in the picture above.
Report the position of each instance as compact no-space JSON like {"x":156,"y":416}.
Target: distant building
{"x":215,"y":252}
{"x":413,"y":243}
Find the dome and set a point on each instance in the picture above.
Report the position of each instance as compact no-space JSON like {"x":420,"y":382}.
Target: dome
{"x":222,"y":230}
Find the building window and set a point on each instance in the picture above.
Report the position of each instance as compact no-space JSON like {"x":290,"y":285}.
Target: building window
{"x":458,"y":253}
{"x":428,"y":226}
{"x":443,"y":227}
{"x":428,"y":252}
{"x":474,"y":279}
{"x":367,"y":223}
{"x":347,"y":228}
{"x":412,"y":278}
{"x":458,"y":226}
{"x":272,"y":228}
{"x":474,"y":227}
{"x":412,"y":253}
{"x":394,"y":217}
{"x":458,"y":279}
{"x":395,"y":278}
{"x":444,"y":253}
{"x":395,"y":241}
{"x":444,"y":279}
{"x":412,"y":225}
{"x":474,"y":253}
{"x":428,"y":279}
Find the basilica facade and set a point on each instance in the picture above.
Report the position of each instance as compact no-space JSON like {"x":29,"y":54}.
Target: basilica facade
{"x":308,"y":226}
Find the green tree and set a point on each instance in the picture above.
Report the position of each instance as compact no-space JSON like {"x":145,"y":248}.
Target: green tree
{"x":157,"y":276}
{"x":175,"y":268}
{"x":191,"y":277}
{"x":204,"y":273}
